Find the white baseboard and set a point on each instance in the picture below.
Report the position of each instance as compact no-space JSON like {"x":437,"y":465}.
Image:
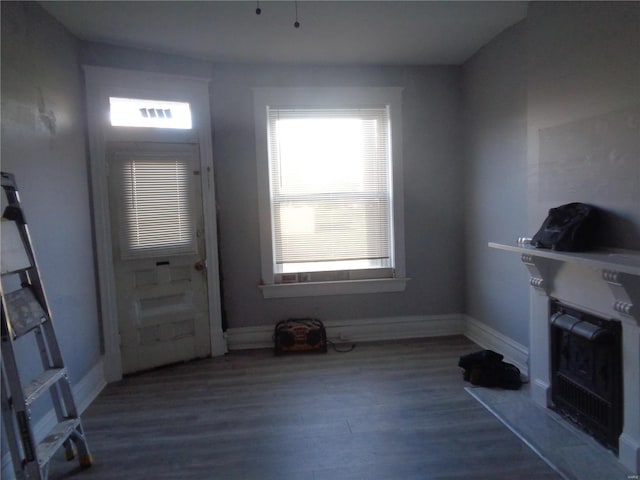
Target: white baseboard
{"x":396,"y":328}
{"x":89,"y":387}
{"x":630,"y":453}
{"x":84,"y":393}
{"x":362,"y":330}
{"x":491,"y":339}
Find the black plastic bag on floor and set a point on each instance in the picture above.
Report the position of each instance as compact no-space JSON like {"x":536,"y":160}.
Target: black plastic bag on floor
{"x":486,"y":369}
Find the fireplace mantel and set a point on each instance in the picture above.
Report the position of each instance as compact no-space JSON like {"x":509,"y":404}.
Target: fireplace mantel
{"x":624,"y":261}
{"x":605,"y":283}
{"x":619,"y":269}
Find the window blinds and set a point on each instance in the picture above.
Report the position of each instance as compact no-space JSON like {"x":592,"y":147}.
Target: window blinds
{"x":156,"y":213}
{"x":330,"y":175}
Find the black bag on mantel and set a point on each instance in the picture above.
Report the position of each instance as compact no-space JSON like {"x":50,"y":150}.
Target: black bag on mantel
{"x":486,"y":369}
{"x":571,"y":228}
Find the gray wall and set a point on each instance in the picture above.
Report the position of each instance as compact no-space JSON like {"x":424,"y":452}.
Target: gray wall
{"x":432,"y":173}
{"x":552,"y":109}
{"x":432,"y":188}
{"x":552,"y":115}
{"x":584,"y":112}
{"x":547,"y":103}
{"x":43,"y":144}
{"x":104,"y":55}
{"x":495,"y":94}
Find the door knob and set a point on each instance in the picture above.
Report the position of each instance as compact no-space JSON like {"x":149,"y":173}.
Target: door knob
{"x":200,"y":265}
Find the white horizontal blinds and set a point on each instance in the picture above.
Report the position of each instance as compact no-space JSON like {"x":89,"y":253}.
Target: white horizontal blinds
{"x":330,"y":184}
{"x":156,"y":213}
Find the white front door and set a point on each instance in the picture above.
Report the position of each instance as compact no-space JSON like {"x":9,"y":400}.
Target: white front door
{"x":159,"y":256}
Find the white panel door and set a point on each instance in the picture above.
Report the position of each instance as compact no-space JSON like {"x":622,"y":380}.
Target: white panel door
{"x":159,"y":256}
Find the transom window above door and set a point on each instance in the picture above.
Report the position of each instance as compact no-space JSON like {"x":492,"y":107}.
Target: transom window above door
{"x":135,"y":112}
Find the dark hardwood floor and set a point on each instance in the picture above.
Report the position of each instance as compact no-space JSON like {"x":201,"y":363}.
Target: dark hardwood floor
{"x":390,"y":410}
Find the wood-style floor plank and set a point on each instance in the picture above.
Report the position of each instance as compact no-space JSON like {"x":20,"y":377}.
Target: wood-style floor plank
{"x":388,"y":410}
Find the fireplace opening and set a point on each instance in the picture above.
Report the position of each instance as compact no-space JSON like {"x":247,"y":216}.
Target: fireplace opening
{"x":586,"y":376}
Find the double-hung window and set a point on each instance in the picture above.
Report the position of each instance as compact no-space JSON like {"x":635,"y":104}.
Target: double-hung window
{"x":330,"y":190}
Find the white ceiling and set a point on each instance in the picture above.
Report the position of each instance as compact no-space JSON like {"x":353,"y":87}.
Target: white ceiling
{"x":331,"y":32}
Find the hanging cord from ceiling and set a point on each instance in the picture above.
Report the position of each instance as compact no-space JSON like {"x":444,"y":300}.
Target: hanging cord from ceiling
{"x":296,"y":24}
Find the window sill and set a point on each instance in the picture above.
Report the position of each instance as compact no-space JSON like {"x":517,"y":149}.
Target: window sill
{"x":344,"y":287}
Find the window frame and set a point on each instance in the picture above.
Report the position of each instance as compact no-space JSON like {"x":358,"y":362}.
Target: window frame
{"x":358,"y":281}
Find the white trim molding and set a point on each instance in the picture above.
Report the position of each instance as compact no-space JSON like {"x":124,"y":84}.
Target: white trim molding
{"x":491,"y":339}
{"x":329,"y":97}
{"x":345,"y":287}
{"x":397,"y":328}
{"x":360,"y":330}
{"x":102,"y":83}
{"x":89,"y":387}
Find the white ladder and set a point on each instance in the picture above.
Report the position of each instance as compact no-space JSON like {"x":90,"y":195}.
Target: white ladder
{"x":25,"y":312}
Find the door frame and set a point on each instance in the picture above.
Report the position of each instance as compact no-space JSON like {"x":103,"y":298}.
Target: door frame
{"x":102,"y":83}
